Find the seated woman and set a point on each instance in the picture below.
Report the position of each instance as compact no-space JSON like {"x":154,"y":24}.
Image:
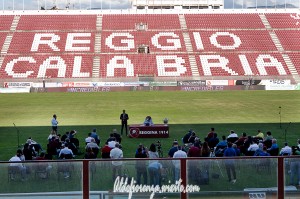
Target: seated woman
{"x":148,"y":121}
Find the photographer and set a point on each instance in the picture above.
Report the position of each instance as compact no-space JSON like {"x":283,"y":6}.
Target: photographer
{"x":187,"y":136}
{"x":159,"y":149}
{"x":142,"y":148}
{"x":173,"y":149}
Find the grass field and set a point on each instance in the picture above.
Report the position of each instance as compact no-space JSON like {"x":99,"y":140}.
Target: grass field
{"x":242,"y":111}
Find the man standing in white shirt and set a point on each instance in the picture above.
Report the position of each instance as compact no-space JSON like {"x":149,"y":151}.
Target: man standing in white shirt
{"x":178,"y":154}
{"x":116,"y":153}
{"x":54,"y":123}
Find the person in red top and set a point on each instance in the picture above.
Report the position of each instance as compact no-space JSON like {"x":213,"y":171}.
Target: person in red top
{"x":210,"y":134}
{"x":105,"y":151}
{"x":241,"y":140}
{"x":195,"y":150}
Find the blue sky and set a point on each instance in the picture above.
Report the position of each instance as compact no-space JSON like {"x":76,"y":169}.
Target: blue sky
{"x":84,"y":4}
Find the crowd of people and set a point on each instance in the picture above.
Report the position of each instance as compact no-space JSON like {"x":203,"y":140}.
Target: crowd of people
{"x":66,"y":146}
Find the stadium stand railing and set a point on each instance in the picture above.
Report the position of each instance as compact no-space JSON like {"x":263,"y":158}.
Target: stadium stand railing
{"x":205,"y":178}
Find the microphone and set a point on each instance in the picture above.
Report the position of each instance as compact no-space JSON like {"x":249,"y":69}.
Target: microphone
{"x":279,"y":110}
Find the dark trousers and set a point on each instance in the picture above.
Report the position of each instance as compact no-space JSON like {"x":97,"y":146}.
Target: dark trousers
{"x":139,"y":173}
{"x":154,"y":176}
{"x":230,"y":169}
{"x":124,"y":124}
{"x":117,"y":171}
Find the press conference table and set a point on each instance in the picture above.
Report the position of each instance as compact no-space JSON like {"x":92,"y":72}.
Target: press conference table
{"x":154,"y":131}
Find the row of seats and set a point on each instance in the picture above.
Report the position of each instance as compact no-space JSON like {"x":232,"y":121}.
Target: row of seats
{"x":283,"y":20}
{"x":214,"y":65}
{"x":255,"y":40}
{"x":126,"y":65}
{"x":153,"y":21}
{"x":130,"y":41}
{"x":204,"y":21}
{"x":23,"y":42}
{"x":129,"y":21}
{"x":295,"y":58}
{"x":289,"y":39}
{"x":57,"y":22}
{"x":232,"y":40}
{"x":5,"y":22}
{"x":57,"y":65}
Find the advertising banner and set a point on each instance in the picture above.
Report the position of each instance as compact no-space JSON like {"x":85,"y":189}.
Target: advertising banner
{"x":192,"y":83}
{"x":217,"y":82}
{"x":14,"y":90}
{"x":17,"y":84}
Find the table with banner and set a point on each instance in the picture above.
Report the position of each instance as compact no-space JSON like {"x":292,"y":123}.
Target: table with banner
{"x":153,"y":131}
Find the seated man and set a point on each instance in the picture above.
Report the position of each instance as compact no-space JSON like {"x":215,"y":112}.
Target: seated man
{"x":232,"y":137}
{"x":148,"y":121}
{"x":53,"y":147}
{"x":93,"y":145}
{"x":232,"y":134}
{"x":241,"y":140}
{"x":105,"y":151}
{"x":117,"y":136}
{"x":66,"y":153}
{"x":88,"y":138}
{"x":37,"y":146}
{"x":95,"y":136}
{"x":286,"y":150}
{"x":259,"y":136}
{"x":16,"y":166}
{"x":112,"y":142}
{"x":274,"y":149}
{"x":72,"y":146}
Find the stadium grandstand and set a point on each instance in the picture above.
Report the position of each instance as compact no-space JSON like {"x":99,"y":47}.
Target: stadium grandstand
{"x":231,"y":44}
{"x":165,"y":41}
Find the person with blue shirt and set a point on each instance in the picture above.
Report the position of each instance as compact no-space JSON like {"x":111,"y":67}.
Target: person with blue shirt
{"x":95,"y":136}
{"x":274,"y":148}
{"x":229,"y":164}
{"x":154,"y":170}
{"x":148,"y":121}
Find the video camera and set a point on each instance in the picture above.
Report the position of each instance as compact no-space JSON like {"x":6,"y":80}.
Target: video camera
{"x":158,"y":145}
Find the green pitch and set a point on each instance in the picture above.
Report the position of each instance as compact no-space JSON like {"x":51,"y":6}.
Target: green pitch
{"x":242,"y":111}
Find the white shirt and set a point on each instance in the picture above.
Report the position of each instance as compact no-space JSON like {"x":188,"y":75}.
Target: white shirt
{"x":65,"y":151}
{"x":54,"y":122}
{"x":253,"y":147}
{"x":178,"y":154}
{"x":50,"y":136}
{"x":116,"y":153}
{"x":92,"y":145}
{"x":232,"y":135}
{"x":112,"y":144}
{"x":88,"y":139}
{"x":286,"y":149}
{"x":15,"y":159}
